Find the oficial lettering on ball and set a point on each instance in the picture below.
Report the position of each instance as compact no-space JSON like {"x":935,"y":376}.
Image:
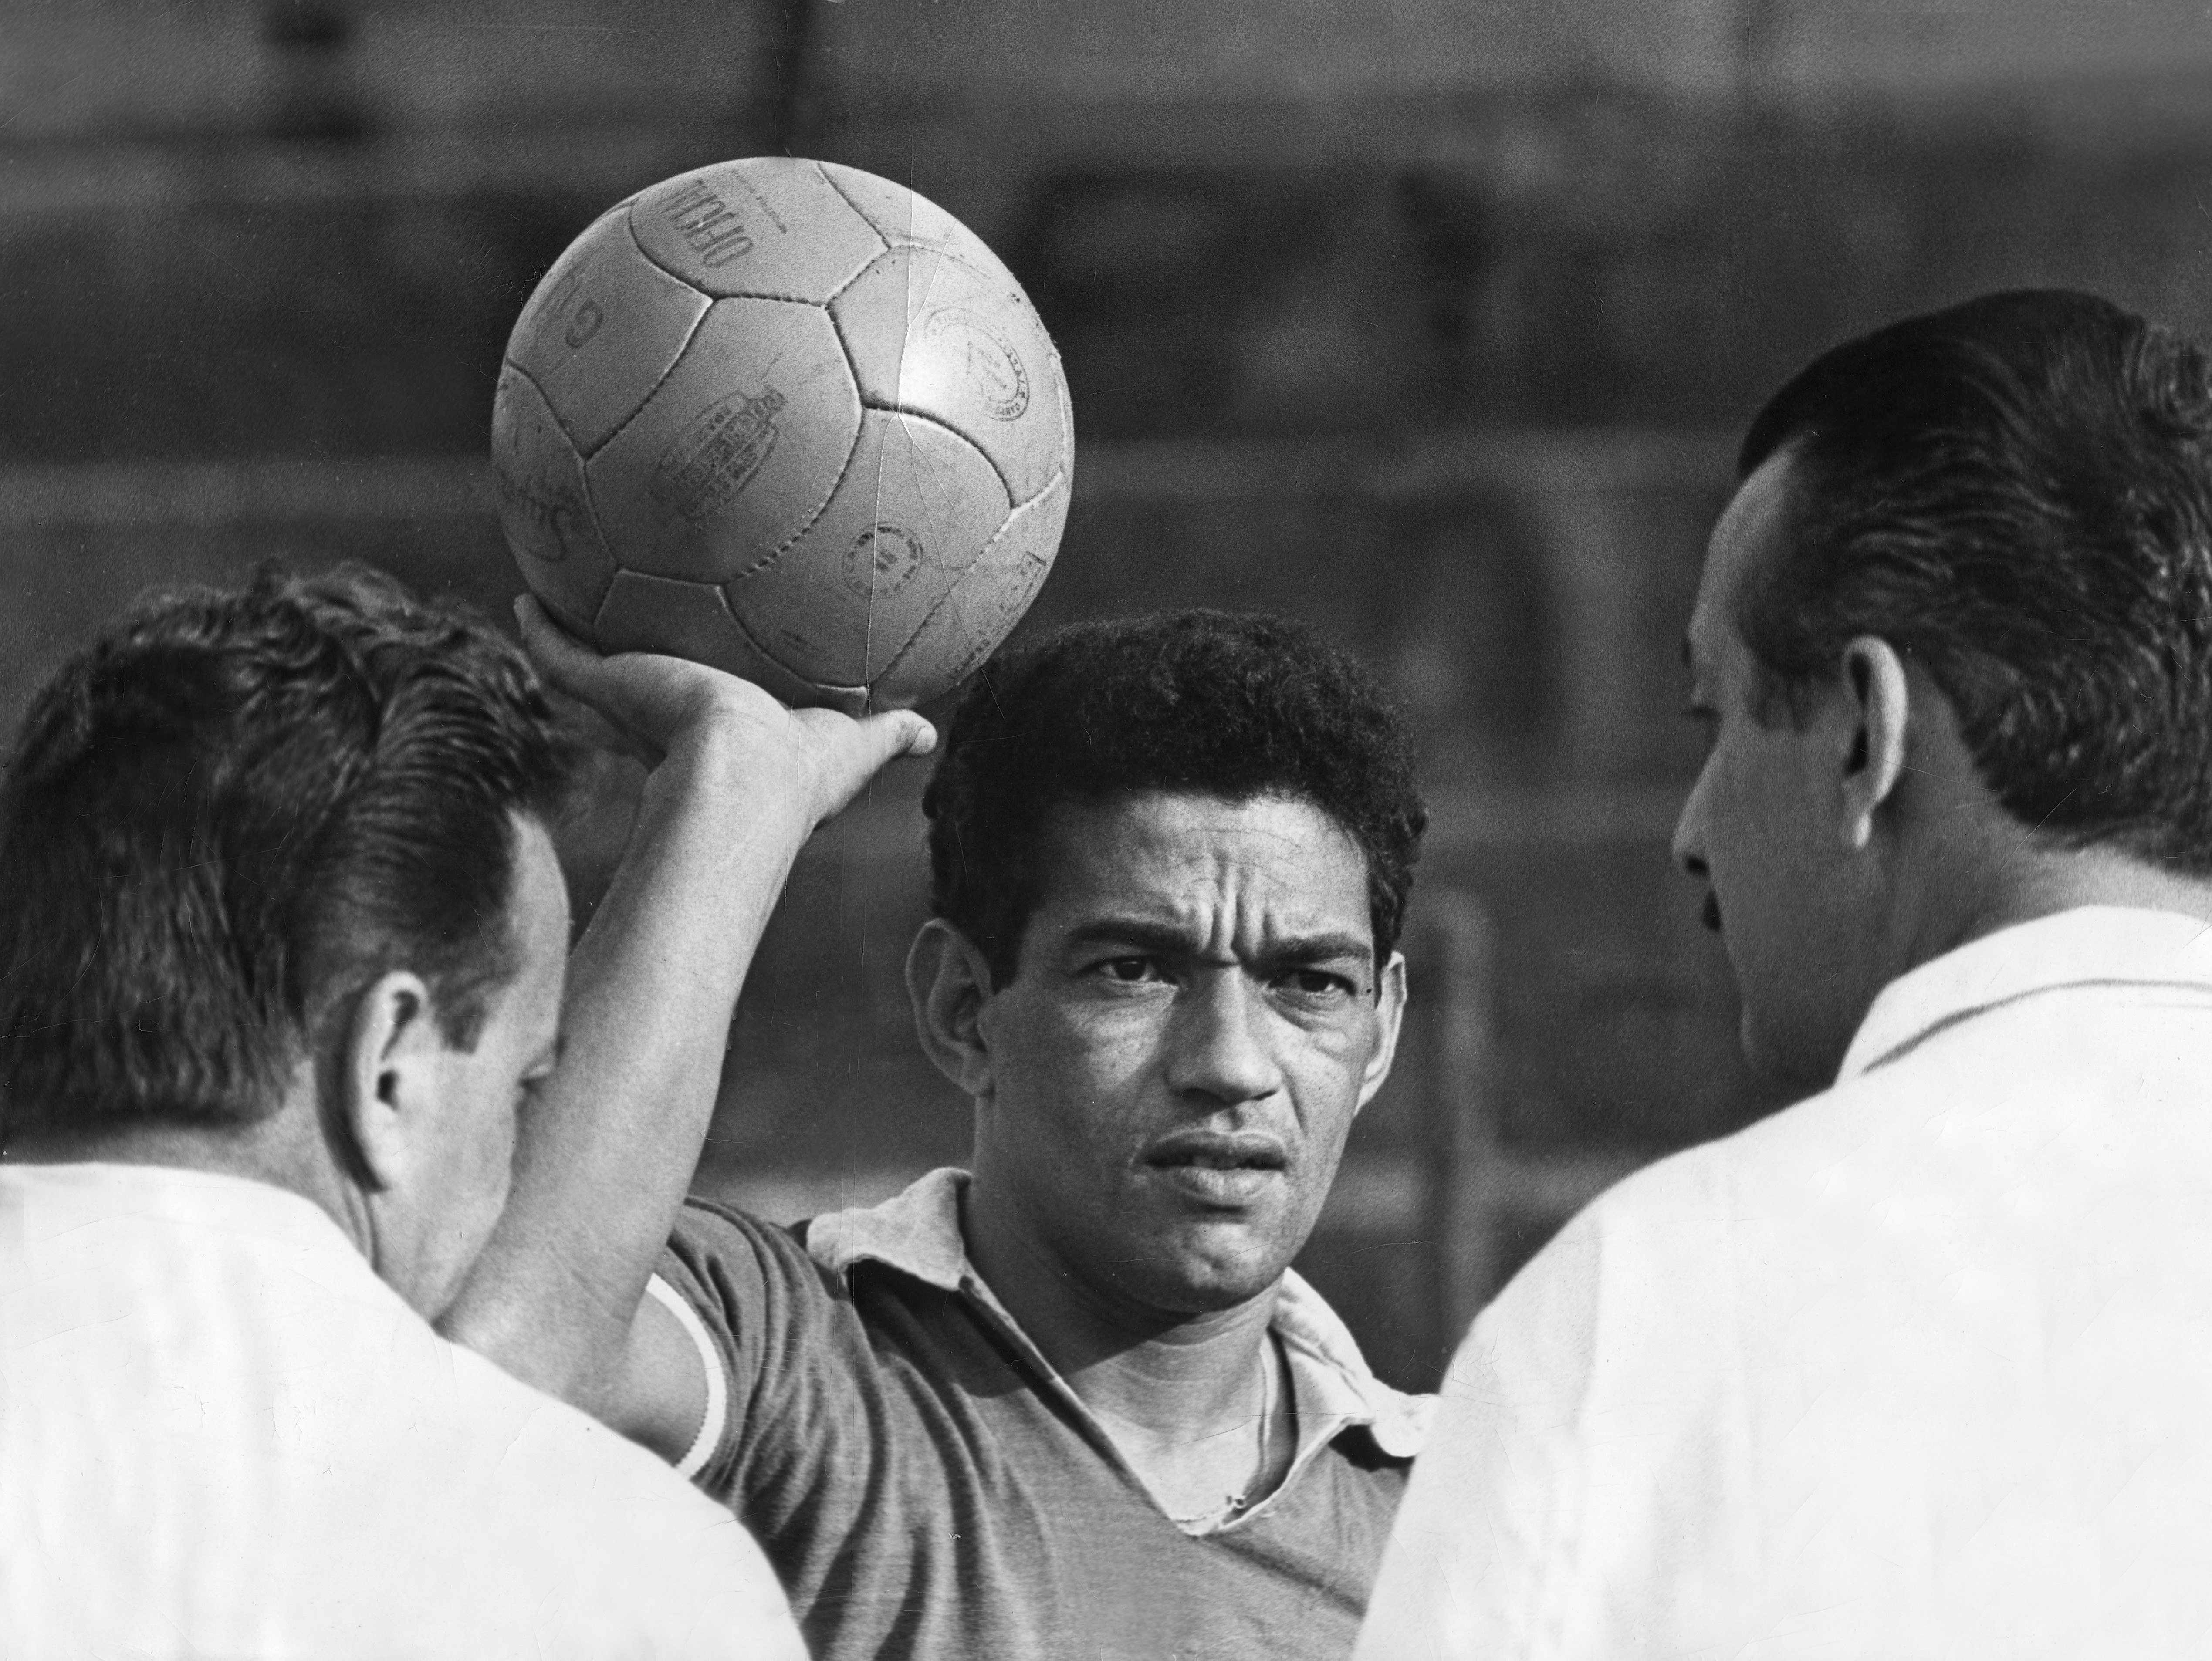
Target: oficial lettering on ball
{"x":789,"y":419}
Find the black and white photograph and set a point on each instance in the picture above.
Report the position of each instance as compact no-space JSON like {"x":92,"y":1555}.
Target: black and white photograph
{"x":1094,"y":830}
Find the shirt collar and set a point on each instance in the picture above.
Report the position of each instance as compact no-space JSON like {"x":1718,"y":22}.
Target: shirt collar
{"x":40,"y":1204}
{"x":2091,"y":944}
{"x":918,"y":1232}
{"x":186,"y":1196}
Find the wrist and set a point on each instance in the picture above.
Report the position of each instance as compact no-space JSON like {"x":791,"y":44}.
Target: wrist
{"x":731,"y":760}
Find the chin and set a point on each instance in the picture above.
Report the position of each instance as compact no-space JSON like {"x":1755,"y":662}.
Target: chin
{"x":1201,"y":1277}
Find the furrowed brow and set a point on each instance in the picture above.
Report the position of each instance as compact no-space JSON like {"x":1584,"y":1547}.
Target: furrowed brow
{"x":1140,"y":934}
{"x":1165,"y":940}
{"x":1320,"y":948}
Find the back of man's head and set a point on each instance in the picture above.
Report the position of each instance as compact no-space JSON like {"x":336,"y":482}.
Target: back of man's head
{"x":2015,"y":494}
{"x":231,"y":813}
{"x":1207,"y":703}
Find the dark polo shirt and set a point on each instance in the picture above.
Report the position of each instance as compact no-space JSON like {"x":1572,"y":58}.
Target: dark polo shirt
{"x":927,"y":1487}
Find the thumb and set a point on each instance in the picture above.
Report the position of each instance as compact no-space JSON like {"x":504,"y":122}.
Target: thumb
{"x":860,"y":749}
{"x":902,"y":732}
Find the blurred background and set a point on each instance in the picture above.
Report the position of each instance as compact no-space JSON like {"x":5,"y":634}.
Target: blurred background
{"x":1433,"y":321}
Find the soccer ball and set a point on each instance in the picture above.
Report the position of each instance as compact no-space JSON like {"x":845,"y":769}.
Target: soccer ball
{"x":791,"y":420}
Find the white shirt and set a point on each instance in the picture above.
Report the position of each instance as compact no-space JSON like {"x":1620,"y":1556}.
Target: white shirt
{"x":223,"y":1436}
{"x":1921,"y":1368}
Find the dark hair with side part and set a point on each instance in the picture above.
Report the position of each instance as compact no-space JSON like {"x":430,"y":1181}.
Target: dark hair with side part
{"x":228,"y":817}
{"x":1207,"y":703}
{"x":2016,"y":494}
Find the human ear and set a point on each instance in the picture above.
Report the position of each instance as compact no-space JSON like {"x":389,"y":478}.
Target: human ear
{"x":948,"y":983}
{"x":1390,"y":1012}
{"x":1880,"y":705}
{"x":390,"y":1078}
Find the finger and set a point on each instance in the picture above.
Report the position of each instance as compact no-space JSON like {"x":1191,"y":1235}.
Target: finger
{"x":892,"y":734}
{"x":880,"y":739}
{"x":852,"y":752}
{"x":915,"y":736}
{"x":562,"y":659}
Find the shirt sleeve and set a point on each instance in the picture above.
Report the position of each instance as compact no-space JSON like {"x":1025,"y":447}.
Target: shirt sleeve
{"x":712,"y":1363}
{"x":782,"y":1346}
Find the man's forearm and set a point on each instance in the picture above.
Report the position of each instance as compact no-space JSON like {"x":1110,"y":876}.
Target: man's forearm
{"x":604,"y":1156}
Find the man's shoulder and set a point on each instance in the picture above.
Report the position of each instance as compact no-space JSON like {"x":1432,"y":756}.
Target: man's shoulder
{"x":1966,"y":1085}
{"x":710,"y":1234}
{"x":1813,"y":1183}
{"x":724,"y":1254}
{"x":361,"y":1449}
{"x":1852,"y":1121}
{"x":1667,"y":1242}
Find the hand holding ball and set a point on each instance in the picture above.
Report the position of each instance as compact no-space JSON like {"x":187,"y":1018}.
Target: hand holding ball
{"x":791,"y":420}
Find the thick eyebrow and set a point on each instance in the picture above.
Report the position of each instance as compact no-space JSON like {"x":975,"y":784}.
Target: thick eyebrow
{"x":1141,"y":933}
{"x":1165,"y":940}
{"x":1322,"y":948}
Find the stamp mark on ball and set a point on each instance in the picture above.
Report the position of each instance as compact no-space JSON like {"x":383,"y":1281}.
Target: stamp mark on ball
{"x":568,"y":310}
{"x":707,"y":225}
{"x":986,"y":358}
{"x":549,"y":513}
{"x":882,"y":559}
{"x":586,"y":323}
{"x":1001,"y":606}
{"x":716,"y":454}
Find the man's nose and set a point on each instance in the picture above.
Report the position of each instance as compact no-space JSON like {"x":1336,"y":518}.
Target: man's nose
{"x":1689,"y":845}
{"x":1221,"y":1048}
{"x":1690,"y":854}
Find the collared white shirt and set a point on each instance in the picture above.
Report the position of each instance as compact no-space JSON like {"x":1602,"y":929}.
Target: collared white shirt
{"x":221,"y":1436}
{"x":917,"y":1231}
{"x":1921,"y":1368}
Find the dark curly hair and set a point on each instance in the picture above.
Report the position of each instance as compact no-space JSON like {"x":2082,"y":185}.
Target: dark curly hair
{"x":229,"y":816}
{"x":1230,"y":705}
{"x":2016,"y":493}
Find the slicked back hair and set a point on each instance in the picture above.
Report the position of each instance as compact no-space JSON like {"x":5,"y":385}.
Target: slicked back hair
{"x":228,"y":817}
{"x":1206,"y":702}
{"x":2016,"y":494}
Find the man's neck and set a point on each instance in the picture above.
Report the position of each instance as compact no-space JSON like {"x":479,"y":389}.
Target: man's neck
{"x":279,"y":1150}
{"x":1169,"y":1372}
{"x":1199,"y":1406}
{"x":2043,"y":882}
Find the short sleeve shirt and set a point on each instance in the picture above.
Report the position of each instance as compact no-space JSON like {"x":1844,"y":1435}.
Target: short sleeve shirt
{"x":927,"y":1487}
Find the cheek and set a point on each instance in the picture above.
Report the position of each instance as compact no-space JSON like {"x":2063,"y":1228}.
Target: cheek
{"x":1059,"y":1055}
{"x":485,"y":1133}
{"x":499,"y":1140}
{"x":491,"y":1177}
{"x":1326,"y":1067}
{"x":1744,"y":820}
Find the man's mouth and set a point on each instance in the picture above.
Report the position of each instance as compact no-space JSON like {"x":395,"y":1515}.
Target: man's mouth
{"x":1219,"y":1151}
{"x":1221,"y":1167}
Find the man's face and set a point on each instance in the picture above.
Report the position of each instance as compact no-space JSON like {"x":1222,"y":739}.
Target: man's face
{"x":483,"y":1089}
{"x":1764,"y":826}
{"x":1193,"y":1024}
